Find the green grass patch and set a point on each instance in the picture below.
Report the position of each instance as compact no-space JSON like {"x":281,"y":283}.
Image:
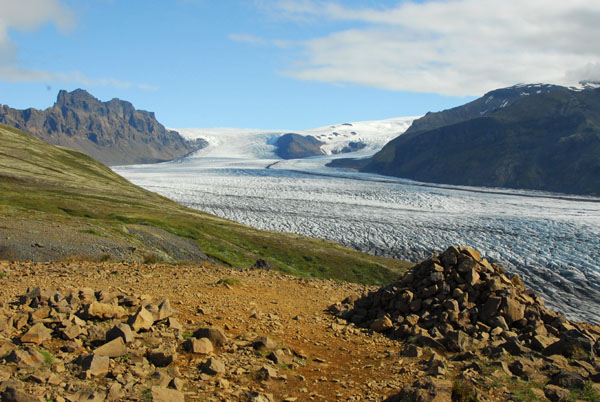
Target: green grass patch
{"x":48,"y":357}
{"x":463,"y":392}
{"x":60,"y":186}
{"x":587,"y":393}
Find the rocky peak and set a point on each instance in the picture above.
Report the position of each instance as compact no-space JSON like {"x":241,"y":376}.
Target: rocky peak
{"x":113,"y":132}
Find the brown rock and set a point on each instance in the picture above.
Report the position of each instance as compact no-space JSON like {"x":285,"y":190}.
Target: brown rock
{"x":122,"y":331}
{"x":161,"y":394}
{"x":141,"y":320}
{"x":12,"y":394}
{"x":281,"y":356}
{"x":200,"y":346}
{"x":556,"y":394}
{"x":103,"y":311}
{"x":114,"y":348}
{"x":382,"y":324}
{"x":213,"y":366}
{"x":215,"y":334}
{"x":37,"y":334}
{"x":265,"y":343}
{"x":490,"y":308}
{"x":161,"y":356}
{"x":513,"y":310}
{"x":95,"y":365}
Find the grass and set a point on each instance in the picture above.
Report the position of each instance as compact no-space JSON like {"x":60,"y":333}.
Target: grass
{"x":228,"y":281}
{"x":147,"y":395}
{"x":463,"y":392}
{"x":48,"y":357}
{"x":61,"y":186}
{"x":587,"y":393}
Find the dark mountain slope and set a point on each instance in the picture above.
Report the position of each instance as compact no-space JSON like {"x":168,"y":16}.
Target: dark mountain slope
{"x":293,"y":146}
{"x":544,"y":141}
{"x":113,"y":132}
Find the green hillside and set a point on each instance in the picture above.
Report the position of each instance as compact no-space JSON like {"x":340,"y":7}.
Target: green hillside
{"x":65,"y":192}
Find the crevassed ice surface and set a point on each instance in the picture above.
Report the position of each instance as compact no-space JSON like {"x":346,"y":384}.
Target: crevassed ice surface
{"x":551,"y":241}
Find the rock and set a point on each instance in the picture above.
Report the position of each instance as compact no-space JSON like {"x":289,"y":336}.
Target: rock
{"x":540,"y":343}
{"x":11,"y":394}
{"x":425,"y":390}
{"x":200,"y":346}
{"x":215,"y":334}
{"x":267,"y":372}
{"x":161,"y":356}
{"x":265,"y":343}
{"x":122,"y":331}
{"x":161,"y":394}
{"x":490,"y":308}
{"x":114,"y":348}
{"x":575,"y":347}
{"x":522,"y":368}
{"x":213,"y":366}
{"x":115,"y":392}
{"x":281,"y":356}
{"x":95,"y":365}
{"x":71,"y":331}
{"x":38,"y":333}
{"x":141,"y":320}
{"x":568,"y":379}
{"x":513,"y":310}
{"x":556,"y":394}
{"x":103,"y":311}
{"x":382,"y":324}
{"x":412,"y":351}
{"x":258,"y":397}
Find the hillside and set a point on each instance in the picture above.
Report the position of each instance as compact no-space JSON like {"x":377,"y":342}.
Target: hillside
{"x":525,"y":137}
{"x":58,"y":202}
{"x":113,"y":132}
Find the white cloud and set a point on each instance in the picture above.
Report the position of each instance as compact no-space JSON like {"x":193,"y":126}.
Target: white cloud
{"x":451,"y":47}
{"x":247,"y":38}
{"x":30,"y":15}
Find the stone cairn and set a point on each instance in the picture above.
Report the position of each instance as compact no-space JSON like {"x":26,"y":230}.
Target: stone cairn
{"x":461,"y":305}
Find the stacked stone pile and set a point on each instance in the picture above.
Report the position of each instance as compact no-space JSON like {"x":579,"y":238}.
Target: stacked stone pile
{"x":461,"y":305}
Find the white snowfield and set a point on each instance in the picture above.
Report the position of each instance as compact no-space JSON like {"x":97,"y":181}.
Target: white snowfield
{"x":551,"y":240}
{"x":251,"y":143}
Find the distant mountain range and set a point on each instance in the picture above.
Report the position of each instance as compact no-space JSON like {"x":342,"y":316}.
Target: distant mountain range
{"x":112,"y":132}
{"x":540,"y":137}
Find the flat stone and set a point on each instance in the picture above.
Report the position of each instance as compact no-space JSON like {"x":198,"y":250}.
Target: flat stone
{"x":114,"y":348}
{"x":38,"y":333}
{"x":103,"y":311}
{"x":161,"y":394}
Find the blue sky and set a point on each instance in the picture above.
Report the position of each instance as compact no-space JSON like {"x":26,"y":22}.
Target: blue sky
{"x":290,"y":64}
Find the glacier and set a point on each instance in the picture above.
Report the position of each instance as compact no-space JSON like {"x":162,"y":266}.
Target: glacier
{"x":551,"y":240}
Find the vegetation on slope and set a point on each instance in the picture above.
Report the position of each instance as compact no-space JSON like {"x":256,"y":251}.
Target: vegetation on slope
{"x":56,"y":186}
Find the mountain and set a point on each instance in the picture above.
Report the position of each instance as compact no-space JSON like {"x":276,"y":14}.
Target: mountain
{"x":59,"y":203}
{"x":294,"y":146}
{"x":538,"y":137}
{"x":113,"y":132}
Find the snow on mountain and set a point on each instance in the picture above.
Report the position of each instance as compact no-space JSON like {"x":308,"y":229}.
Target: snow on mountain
{"x":254,"y":143}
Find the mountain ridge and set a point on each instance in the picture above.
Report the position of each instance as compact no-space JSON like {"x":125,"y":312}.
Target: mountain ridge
{"x":535,"y":137}
{"x":113,"y":132}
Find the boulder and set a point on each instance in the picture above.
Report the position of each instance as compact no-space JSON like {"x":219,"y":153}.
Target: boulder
{"x":38,"y":333}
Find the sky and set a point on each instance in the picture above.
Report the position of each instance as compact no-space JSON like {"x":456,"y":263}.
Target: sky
{"x":290,"y":64}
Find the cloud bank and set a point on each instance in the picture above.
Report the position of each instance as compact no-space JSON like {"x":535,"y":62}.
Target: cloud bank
{"x":449,"y":47}
{"x":29,"y":16}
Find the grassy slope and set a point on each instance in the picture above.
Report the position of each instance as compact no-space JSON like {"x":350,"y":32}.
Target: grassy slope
{"x":57,"y":184}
